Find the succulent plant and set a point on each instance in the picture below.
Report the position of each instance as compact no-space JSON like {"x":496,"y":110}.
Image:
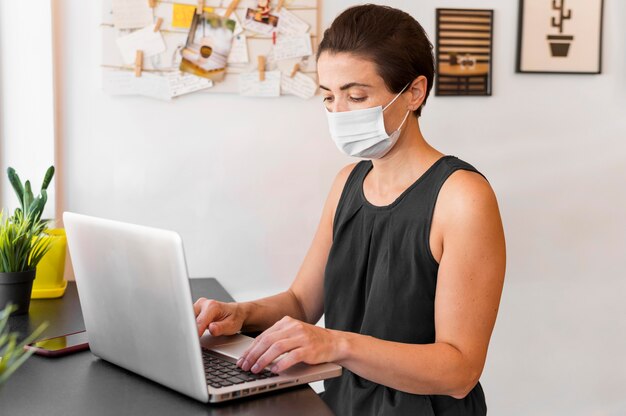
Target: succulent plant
{"x":22,"y":244}
{"x":31,"y":206}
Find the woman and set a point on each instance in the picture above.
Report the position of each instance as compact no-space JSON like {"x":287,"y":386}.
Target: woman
{"x":408,"y":261}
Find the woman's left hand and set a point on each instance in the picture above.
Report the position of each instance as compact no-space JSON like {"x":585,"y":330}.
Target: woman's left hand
{"x":301,"y":341}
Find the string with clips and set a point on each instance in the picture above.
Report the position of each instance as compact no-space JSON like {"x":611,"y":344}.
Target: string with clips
{"x":139,"y":53}
{"x":231,"y":7}
{"x":261,"y":62}
{"x":199,"y":9}
{"x":261,"y":58}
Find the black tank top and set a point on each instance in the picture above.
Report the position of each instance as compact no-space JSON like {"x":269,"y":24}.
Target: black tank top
{"x":380,"y":280}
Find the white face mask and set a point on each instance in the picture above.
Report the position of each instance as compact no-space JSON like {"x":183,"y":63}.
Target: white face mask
{"x":361,"y":133}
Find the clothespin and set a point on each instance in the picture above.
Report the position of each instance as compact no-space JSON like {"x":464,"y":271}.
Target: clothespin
{"x":231,"y":8}
{"x":157,"y":25}
{"x":261,"y":67}
{"x":152,"y":3}
{"x":273,"y":38}
{"x":280,"y":5}
{"x":295,"y":69}
{"x":138,"y":63}
{"x":200,"y":7}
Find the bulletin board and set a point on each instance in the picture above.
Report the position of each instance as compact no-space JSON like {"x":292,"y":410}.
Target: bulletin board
{"x":170,"y":14}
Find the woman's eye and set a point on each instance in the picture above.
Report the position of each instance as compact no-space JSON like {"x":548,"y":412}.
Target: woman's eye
{"x":353,"y":99}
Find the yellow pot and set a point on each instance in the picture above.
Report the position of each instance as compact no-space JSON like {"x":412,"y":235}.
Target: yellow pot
{"x":49,"y":281}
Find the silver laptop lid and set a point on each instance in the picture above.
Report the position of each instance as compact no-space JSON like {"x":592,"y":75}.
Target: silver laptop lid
{"x":134,"y":293}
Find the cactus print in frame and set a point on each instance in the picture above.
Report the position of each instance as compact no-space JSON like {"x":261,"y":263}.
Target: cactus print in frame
{"x":560,"y":36}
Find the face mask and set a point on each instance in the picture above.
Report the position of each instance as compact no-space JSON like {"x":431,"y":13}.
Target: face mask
{"x":361,"y":133}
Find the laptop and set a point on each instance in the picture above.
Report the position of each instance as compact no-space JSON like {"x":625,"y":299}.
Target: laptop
{"x":136,"y":301}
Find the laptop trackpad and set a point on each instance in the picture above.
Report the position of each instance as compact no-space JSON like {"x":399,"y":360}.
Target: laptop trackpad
{"x":230,"y":345}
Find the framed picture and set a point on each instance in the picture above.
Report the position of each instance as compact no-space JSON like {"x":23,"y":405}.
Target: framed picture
{"x":560,"y":36}
{"x":463,"y":50}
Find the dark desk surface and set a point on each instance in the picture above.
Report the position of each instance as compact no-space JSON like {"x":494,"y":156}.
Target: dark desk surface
{"x":82,"y":384}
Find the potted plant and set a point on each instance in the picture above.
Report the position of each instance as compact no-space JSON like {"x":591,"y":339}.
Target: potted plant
{"x":50,"y":282}
{"x":22,"y":246}
{"x":12,"y":352}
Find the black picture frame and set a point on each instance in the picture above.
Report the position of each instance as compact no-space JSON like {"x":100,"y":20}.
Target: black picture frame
{"x":520,"y":65}
{"x":454,"y":82}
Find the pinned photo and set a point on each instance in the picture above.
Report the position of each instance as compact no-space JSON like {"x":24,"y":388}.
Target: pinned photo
{"x":267,"y":19}
{"x":260,"y":20}
{"x":208,"y":45}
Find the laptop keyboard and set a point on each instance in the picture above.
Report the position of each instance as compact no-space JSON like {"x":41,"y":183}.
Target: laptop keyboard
{"x":222,"y":373}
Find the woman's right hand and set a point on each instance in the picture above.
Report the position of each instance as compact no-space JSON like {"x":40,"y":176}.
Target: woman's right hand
{"x":220,"y":318}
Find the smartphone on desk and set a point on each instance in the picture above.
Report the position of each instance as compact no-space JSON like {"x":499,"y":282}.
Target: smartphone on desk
{"x":62,"y":345}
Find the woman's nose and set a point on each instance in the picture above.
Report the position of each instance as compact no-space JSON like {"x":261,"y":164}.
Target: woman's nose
{"x":338,"y":107}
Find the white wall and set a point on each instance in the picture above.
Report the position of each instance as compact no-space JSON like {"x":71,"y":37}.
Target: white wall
{"x":244,"y":181}
{"x":26,"y":98}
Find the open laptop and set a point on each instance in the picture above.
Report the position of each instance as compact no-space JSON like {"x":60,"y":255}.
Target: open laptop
{"x":136,"y":302}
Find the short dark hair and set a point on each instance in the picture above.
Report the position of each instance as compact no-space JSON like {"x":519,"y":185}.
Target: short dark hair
{"x":391,"y":38}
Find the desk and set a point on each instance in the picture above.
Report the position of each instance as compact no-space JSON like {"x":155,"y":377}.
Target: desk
{"x":82,"y":384}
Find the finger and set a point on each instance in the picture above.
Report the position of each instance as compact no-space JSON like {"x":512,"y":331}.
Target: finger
{"x":254,"y":343}
{"x":215,"y":328}
{"x":257,"y":345}
{"x":225,"y":327}
{"x":276,"y":350}
{"x":197,"y":306}
{"x":210,"y":310}
{"x":261,"y":344}
{"x":277,"y":326}
{"x":292,"y":358}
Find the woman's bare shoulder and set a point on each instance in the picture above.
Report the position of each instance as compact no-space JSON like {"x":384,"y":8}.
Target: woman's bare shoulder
{"x":344,"y":173}
{"x":337,"y":188}
{"x":467,"y":193}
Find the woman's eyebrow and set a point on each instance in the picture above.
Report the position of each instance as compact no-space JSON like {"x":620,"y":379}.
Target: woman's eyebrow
{"x":347,"y":86}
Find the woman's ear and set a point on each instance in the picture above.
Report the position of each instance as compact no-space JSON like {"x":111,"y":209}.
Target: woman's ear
{"x":418,"y":89}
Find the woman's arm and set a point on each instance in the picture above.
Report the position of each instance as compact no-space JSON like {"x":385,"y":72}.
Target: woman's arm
{"x":469,"y":285}
{"x":304,"y":300}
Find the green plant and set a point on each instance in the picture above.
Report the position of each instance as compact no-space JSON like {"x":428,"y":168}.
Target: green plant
{"x":31,"y":206}
{"x":12,"y":352}
{"x":22,"y":244}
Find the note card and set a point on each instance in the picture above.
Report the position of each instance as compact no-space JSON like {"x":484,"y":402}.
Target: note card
{"x":131,"y":14}
{"x":126,"y":83}
{"x":239,"y":50}
{"x":146,"y":40}
{"x":290,"y":23}
{"x":162,"y":86}
{"x":182,"y":14}
{"x":292,"y":46}
{"x":182,"y":83}
{"x":300,"y":85}
{"x":250,"y":86}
